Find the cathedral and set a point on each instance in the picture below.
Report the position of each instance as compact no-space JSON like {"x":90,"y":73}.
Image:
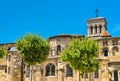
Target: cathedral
{"x":12,"y":67}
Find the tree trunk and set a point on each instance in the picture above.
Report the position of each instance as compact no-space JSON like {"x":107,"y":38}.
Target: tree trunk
{"x":84,"y":76}
{"x":32,"y":74}
{"x":22,"y":70}
{"x":79,"y":76}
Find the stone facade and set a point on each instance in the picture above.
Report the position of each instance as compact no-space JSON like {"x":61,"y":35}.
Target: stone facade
{"x":12,"y":67}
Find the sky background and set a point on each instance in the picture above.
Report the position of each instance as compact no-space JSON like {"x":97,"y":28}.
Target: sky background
{"x":53,"y":17}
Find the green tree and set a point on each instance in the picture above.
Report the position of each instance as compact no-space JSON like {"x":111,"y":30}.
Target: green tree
{"x":82,"y":55}
{"x":33,"y":48}
{"x":3,"y":52}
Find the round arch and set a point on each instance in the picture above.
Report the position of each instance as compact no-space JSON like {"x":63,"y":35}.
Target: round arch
{"x":50,"y":69}
{"x":115,"y":73}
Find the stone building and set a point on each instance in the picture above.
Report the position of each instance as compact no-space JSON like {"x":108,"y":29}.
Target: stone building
{"x":12,"y":67}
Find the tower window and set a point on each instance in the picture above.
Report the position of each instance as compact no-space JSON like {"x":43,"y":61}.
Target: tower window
{"x":91,"y":30}
{"x":50,"y":70}
{"x":69,"y":71}
{"x":58,"y":49}
{"x":51,"y":52}
{"x":95,"y":29}
{"x":100,"y":27}
{"x":106,"y":52}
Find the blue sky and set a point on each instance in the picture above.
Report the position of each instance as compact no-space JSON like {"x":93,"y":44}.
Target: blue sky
{"x":54,"y":17}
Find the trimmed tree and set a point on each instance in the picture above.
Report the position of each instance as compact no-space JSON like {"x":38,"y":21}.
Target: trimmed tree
{"x":82,"y":55}
{"x":3,"y":52}
{"x":33,"y":48}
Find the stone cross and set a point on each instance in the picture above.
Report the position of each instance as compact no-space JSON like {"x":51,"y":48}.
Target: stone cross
{"x":96,"y":11}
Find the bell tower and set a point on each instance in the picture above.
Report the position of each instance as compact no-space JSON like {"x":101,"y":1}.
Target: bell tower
{"x":97,"y":27}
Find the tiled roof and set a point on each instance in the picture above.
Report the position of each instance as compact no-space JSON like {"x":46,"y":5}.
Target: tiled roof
{"x":106,"y":34}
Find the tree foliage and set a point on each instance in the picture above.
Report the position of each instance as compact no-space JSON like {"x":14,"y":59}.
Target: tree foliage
{"x":82,"y":54}
{"x":33,"y":48}
{"x":3,"y":52}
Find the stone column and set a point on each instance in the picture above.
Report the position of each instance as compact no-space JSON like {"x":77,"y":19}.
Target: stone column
{"x":98,"y":29}
{"x":105,"y":74}
{"x":91,"y":76}
{"x":102,"y":29}
{"x":37,"y":75}
{"x":93,"y":30}
{"x":89,"y":32}
{"x":60,"y":72}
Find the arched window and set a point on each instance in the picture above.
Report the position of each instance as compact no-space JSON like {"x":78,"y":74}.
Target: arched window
{"x":50,"y":70}
{"x":105,"y":52}
{"x":69,"y":71}
{"x":96,"y":74}
{"x":91,"y":30}
{"x":115,"y":76}
{"x":95,"y":29}
{"x":100,"y":29}
{"x":28,"y":71}
{"x":58,"y":49}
